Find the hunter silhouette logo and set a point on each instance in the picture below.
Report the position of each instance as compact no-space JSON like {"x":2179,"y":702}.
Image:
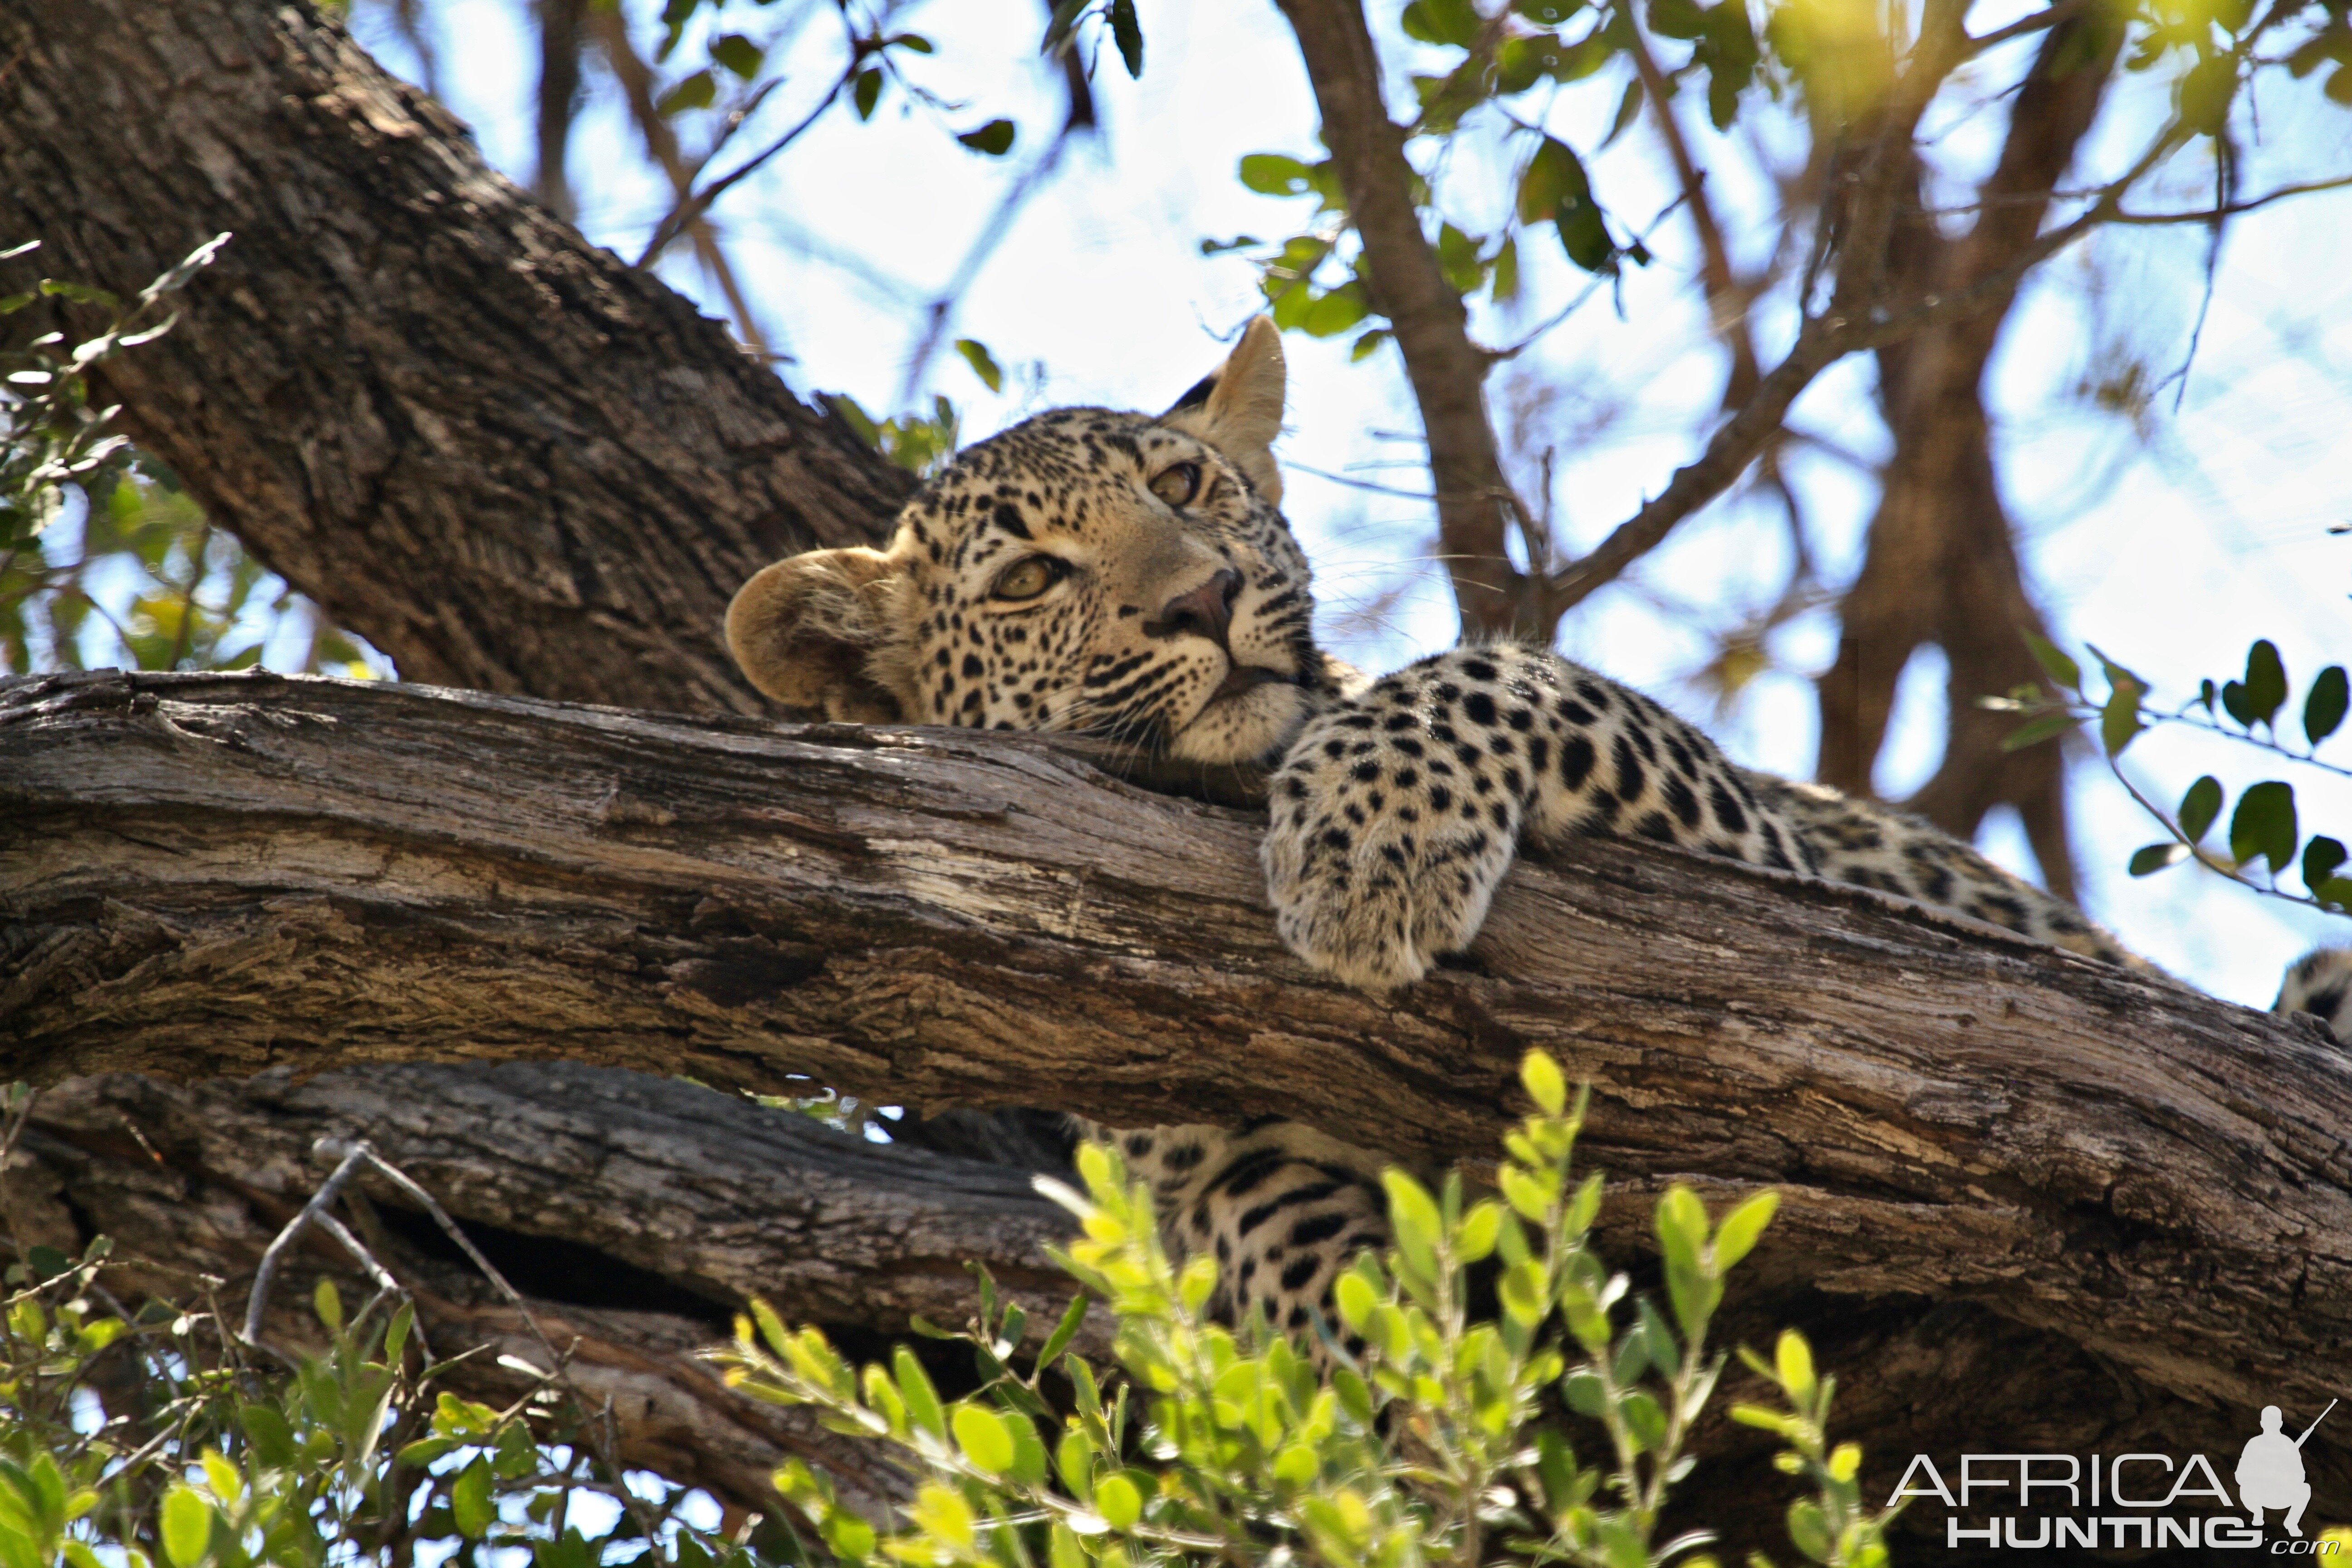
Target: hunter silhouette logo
{"x":2269,"y":1471}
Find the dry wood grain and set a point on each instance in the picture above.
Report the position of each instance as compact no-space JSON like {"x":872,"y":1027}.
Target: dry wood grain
{"x":220,"y":875}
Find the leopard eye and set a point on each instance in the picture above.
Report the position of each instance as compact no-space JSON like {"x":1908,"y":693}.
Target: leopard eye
{"x":1178,"y":483}
{"x":1028,"y":577}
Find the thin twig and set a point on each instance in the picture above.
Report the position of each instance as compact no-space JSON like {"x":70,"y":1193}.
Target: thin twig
{"x":694,"y":203}
{"x":2049,"y":16}
{"x":311,"y":1214}
{"x":456,"y":1232}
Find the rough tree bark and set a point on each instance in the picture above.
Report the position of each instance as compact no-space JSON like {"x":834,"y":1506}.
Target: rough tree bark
{"x":234,"y":874}
{"x":507,"y":459}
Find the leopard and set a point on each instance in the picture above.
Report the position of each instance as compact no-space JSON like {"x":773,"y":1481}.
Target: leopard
{"x":1132,"y":575}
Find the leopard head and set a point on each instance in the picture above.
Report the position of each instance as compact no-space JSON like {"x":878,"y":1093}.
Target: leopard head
{"x":1111,"y":573}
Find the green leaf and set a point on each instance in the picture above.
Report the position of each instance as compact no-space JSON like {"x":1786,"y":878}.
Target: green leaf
{"x":975,"y":355}
{"x":1066,"y":1329}
{"x":1127,"y":34}
{"x":1809,"y":1530}
{"x":1552,"y":175}
{"x":1453,"y":22}
{"x":469,"y":1500}
{"x":1412,"y":1216}
{"x":2264,"y":825}
{"x":2322,"y":710}
{"x":1118,"y":1501}
{"x":2200,"y":806}
{"x":1336,"y":310}
{"x":187,"y":1526}
{"x":915,"y":1388}
{"x":2055,"y":662}
{"x":995,"y":138}
{"x":266,"y":1429}
{"x":2321,"y":857}
{"x":699,"y":90}
{"x":2033,"y":732}
{"x":985,"y":1437}
{"x":2150,"y":859}
{"x":1682,"y":1227}
{"x":1544,"y":1083}
{"x":738,"y":54}
{"x":1742,"y":1228}
{"x":1272,"y":174}
{"x":2337,"y":891}
{"x":1792,"y":1364}
{"x":2265,"y":684}
{"x":1677,"y":19}
{"x":867,"y":91}
{"x":328,"y":1303}
{"x":1646,"y":1420}
{"x":1367,"y":345}
{"x":2119,"y":721}
{"x":1505,"y":285}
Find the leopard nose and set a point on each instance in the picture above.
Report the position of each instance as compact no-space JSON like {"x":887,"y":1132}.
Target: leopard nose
{"x":1205,"y":612}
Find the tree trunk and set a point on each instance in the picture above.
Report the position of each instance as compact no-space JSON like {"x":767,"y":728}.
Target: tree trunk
{"x":1940,"y":565}
{"x":231,"y":874}
{"x":506,"y":459}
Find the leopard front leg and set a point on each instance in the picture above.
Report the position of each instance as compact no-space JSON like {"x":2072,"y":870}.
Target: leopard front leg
{"x":1395,"y":813}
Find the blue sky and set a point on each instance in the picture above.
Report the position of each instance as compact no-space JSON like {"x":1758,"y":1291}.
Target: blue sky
{"x":2171,"y":543}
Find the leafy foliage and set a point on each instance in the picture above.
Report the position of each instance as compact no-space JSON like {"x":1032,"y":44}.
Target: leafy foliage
{"x":185,"y":594}
{"x":2265,"y":825}
{"x":161,"y":1438}
{"x":1427,"y":1435}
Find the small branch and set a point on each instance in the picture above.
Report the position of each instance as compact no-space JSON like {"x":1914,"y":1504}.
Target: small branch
{"x":1476,"y":504}
{"x":2050,"y":17}
{"x":2232,"y":209}
{"x":311,"y":1214}
{"x":692,"y":204}
{"x":1726,"y":302}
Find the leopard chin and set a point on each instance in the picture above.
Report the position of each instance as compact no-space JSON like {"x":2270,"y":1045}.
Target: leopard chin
{"x":1252,"y":724}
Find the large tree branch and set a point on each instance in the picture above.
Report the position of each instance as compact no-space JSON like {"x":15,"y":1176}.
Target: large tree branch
{"x":635,"y":1212}
{"x":223,"y":874}
{"x":506,"y":459}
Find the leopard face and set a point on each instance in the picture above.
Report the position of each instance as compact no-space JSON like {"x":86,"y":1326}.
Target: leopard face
{"x":1105,"y":573}
{"x":1093,"y":571}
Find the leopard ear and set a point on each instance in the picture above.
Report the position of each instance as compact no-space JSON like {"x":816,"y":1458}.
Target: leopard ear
{"x":1237,"y":407}
{"x":819,"y":632}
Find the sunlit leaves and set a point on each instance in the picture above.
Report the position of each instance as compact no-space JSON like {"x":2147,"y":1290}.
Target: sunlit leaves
{"x":984,"y":365}
{"x":1221,"y":1442}
{"x":1273,"y":175}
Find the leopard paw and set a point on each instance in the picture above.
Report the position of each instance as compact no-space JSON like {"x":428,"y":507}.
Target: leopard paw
{"x":1369,"y":884}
